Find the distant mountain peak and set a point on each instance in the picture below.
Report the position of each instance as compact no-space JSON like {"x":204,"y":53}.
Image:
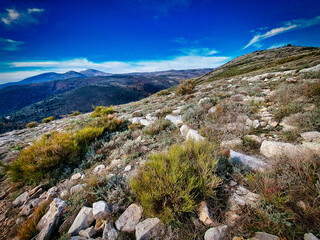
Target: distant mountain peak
{"x":94,"y":73}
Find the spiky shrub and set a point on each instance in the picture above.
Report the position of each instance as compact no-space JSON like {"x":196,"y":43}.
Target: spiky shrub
{"x":48,"y":119}
{"x":31,"y":125}
{"x":172,"y":183}
{"x":186,"y":87}
{"x":102,"y":111}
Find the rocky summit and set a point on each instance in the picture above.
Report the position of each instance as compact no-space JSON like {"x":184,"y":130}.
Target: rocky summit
{"x":233,"y":154}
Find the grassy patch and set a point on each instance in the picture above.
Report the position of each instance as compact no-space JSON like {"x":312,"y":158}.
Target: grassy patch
{"x":172,"y":183}
{"x":186,"y":87}
{"x":156,"y":127}
{"x":102,"y":111}
{"x":31,"y":125}
{"x":48,"y":119}
{"x":163,"y":93}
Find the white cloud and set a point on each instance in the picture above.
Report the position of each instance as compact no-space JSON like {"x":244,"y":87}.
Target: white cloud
{"x":277,"y":46}
{"x":287,"y":26}
{"x":9,"y":44}
{"x":13,"y":16}
{"x":180,"y":62}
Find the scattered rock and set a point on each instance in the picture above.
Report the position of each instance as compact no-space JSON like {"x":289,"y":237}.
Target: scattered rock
{"x":203,"y":101}
{"x":148,"y":229}
{"x":216,"y":233}
{"x":52,"y":193}
{"x":129,"y":219}
{"x":204,"y":214}
{"x":253,"y":138}
{"x":128,"y":168}
{"x":310,"y":236}
{"x":77,"y":176}
{"x":176,"y":120}
{"x":98,"y":168}
{"x":234,"y":143}
{"x":311,"y":136}
{"x":249,"y":161}
{"x":255,"y":123}
{"x":51,"y":220}
{"x":20,"y":199}
{"x":194,"y":135}
{"x":101,"y":210}
{"x":213,"y":109}
{"x":88,"y":233}
{"x":77,"y":188}
{"x":83,"y":220}
{"x":109,"y":232}
{"x":184,"y":130}
{"x":265,"y":236}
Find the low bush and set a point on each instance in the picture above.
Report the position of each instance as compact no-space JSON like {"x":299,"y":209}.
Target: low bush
{"x":102,"y":111}
{"x":186,"y":87}
{"x":48,"y":119}
{"x":163,"y":93}
{"x":31,"y":125}
{"x":156,"y":127}
{"x":135,"y":126}
{"x":28,"y":229}
{"x":76,"y":113}
{"x":172,"y":184}
{"x":310,"y":121}
{"x":286,"y":110}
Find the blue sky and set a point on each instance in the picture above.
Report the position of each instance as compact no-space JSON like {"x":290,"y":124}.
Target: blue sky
{"x":120,"y":36}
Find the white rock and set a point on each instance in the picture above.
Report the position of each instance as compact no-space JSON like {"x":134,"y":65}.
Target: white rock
{"x":310,"y":136}
{"x":83,"y":220}
{"x":129,"y":218}
{"x":216,"y":233}
{"x":128,"y":168}
{"x":212,"y":109}
{"x":184,"y":130}
{"x":148,"y":229}
{"x":176,"y":120}
{"x":109,"y":232}
{"x":77,"y":188}
{"x":64,"y":193}
{"x":146,"y":122}
{"x":194,"y":135}
{"x":204,"y":214}
{"x":101,"y":210}
{"x":88,"y":233}
{"x":255,"y":123}
{"x":265,"y":236}
{"x":149,"y":117}
{"x":52,"y":193}
{"x":234,"y":143}
{"x":249,"y":122}
{"x":99,"y":168}
{"x":253,"y":138}
{"x":77,"y":176}
{"x":313,"y":146}
{"x":271,"y":149}
{"x":249,"y":161}
{"x":203,"y":100}
{"x":51,"y":220}
{"x":311,"y":69}
{"x":20,"y":199}
{"x":310,"y":236}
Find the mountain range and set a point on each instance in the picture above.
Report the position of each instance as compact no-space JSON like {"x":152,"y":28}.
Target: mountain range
{"x":54,"y":94}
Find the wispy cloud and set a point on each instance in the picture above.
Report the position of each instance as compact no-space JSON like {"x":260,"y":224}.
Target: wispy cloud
{"x":20,"y":17}
{"x":286,"y":26}
{"x":277,"y":46}
{"x":9,"y":44}
{"x":179,"y":62}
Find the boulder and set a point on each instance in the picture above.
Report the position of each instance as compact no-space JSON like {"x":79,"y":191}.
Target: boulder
{"x":216,"y":233}
{"x":146,"y":122}
{"x":253,"y":138}
{"x":204,"y":214}
{"x":310,"y":236}
{"x":51,"y":220}
{"x":129,"y":218}
{"x":265,"y":236}
{"x":88,"y":233}
{"x":313,"y":146}
{"x":101,"y":210}
{"x":27,"y":209}
{"x":77,"y":176}
{"x":184,"y":130}
{"x":52,"y":193}
{"x":77,"y":188}
{"x":83,"y":220}
{"x":176,"y":120}
{"x":109,"y":232}
{"x":148,"y":229}
{"x":98,"y":168}
{"x":248,"y":161}
{"x":234,"y":143}
{"x":21,"y":199}
{"x":311,"y":136}
{"x":271,"y":149}
{"x":194,"y":135}
{"x":212,"y":109}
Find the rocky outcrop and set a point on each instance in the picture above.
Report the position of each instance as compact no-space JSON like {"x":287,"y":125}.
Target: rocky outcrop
{"x":83,"y":220}
{"x":101,"y":210}
{"x":216,"y":233}
{"x":51,"y":220}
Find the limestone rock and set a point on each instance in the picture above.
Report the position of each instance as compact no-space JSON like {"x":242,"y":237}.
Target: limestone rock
{"x":249,"y":161}
{"x":184,"y":130}
{"x":176,"y":120}
{"x":98,"y":168}
{"x":234,"y":143}
{"x":194,"y":135}
{"x":271,"y":149}
{"x":265,"y":236}
{"x":101,"y":210}
{"x":77,"y":176}
{"x":77,"y":188}
{"x":83,"y":220}
{"x":148,"y":229}
{"x":253,"y":138}
{"x":109,"y":232}
{"x":129,"y":218}
{"x":310,"y":236}
{"x":51,"y":220}
{"x":52,"y":193}
{"x":216,"y":233}
{"x":204,"y":214}
{"x":88,"y":233}
{"x":311,"y":136}
{"x":212,"y":109}
{"x":313,"y":146}
{"x":20,"y":199}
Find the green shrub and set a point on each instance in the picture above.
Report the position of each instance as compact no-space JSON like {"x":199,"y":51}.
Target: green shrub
{"x":87,"y":134}
{"x":156,"y":127}
{"x":186,"y":87}
{"x":48,"y":119}
{"x":76,"y":113}
{"x":31,"y":125}
{"x":102,"y":111}
{"x":163,"y":93}
{"x":173,"y":183}
{"x":135,"y":126}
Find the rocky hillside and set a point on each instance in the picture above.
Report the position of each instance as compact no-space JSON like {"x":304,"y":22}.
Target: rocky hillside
{"x":233,"y":154}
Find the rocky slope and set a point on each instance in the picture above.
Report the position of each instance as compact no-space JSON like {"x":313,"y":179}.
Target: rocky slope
{"x":263,"y":119}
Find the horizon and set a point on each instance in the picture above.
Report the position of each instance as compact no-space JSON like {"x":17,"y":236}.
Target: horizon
{"x":54,"y":36}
